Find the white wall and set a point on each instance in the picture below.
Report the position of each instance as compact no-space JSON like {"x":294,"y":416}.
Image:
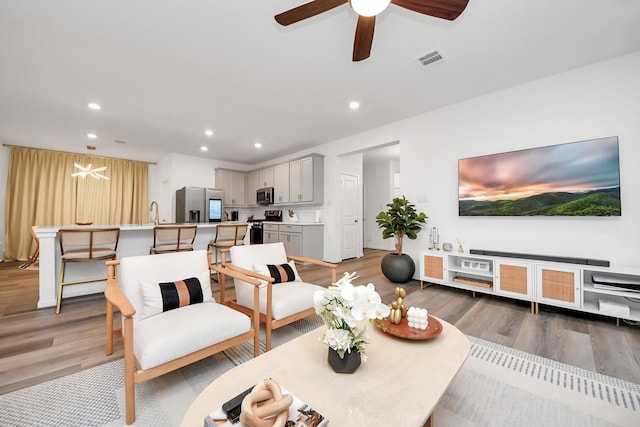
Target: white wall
{"x":594,"y":101}
{"x":378,"y":190}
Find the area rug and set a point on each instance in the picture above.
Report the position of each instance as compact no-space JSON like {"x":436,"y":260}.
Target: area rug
{"x":497,"y":386}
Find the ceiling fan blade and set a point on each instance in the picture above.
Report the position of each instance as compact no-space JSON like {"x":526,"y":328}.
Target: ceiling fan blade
{"x":364,"y":37}
{"x":307,"y":11}
{"x":445,"y":9}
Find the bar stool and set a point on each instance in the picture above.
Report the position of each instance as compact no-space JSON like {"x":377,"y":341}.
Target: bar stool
{"x":81,"y":244}
{"x":173,"y":238}
{"x":228,"y":235}
{"x":36,"y":254}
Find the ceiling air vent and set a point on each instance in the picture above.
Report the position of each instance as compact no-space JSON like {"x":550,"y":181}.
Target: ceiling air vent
{"x":119,"y":141}
{"x":430,"y":58}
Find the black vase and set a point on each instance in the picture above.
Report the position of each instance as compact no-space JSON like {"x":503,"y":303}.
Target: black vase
{"x":398,"y":268}
{"x":346,"y":365}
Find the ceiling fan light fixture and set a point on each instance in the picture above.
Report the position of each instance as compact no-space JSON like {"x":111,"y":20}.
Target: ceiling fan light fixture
{"x":369,"y":7}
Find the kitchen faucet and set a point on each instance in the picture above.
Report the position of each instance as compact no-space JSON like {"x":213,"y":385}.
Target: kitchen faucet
{"x":155,"y":219}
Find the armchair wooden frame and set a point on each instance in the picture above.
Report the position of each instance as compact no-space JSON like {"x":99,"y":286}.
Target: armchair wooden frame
{"x":267,"y":318}
{"x":117,"y":299}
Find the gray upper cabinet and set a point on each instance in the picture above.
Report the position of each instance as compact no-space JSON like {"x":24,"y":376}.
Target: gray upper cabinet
{"x":233,"y":184}
{"x":306,"y":180}
{"x":265,"y":177}
{"x":281,"y":183}
{"x":253,"y":184}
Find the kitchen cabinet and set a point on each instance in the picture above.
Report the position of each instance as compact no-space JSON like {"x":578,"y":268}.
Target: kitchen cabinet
{"x":306,"y":180}
{"x":233,"y":184}
{"x":270,"y":233}
{"x":281,"y":183}
{"x":306,"y":240}
{"x":253,"y":184}
{"x":265,"y":177}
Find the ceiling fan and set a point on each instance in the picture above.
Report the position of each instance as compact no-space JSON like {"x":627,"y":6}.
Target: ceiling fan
{"x":367,"y":11}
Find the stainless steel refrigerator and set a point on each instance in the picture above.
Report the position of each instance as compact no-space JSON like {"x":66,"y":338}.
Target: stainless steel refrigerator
{"x":196,"y":204}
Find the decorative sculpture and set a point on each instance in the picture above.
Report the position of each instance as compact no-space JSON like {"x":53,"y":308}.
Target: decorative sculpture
{"x":418,"y":318}
{"x":398,"y":310}
{"x":266,"y":406}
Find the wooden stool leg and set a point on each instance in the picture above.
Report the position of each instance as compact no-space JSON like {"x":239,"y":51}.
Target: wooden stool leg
{"x":60,"y":288}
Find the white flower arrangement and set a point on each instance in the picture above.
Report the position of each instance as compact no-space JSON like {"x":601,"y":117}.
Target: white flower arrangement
{"x":341,"y":306}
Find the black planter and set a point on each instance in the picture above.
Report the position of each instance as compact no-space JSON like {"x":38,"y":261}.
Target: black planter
{"x":398,"y":268}
{"x":348,"y":364}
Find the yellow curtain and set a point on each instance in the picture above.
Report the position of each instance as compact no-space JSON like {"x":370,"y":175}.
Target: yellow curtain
{"x":42,"y":192}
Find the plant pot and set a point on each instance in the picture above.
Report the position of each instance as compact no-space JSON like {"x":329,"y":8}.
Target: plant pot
{"x":398,"y":268}
{"x":346,"y":365}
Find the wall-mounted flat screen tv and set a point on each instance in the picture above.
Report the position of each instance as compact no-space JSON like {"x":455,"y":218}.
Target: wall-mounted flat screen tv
{"x":215,"y":210}
{"x":574,"y":179}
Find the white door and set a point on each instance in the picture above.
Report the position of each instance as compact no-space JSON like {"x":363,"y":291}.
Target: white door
{"x":350,"y":215}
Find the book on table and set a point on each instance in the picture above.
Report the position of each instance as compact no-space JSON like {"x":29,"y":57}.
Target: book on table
{"x":300,"y":414}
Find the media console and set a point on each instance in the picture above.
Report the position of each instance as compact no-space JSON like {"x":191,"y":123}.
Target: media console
{"x":587,"y":285}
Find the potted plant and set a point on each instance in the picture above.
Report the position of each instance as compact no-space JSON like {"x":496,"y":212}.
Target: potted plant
{"x":342,"y":307}
{"x":401,"y":219}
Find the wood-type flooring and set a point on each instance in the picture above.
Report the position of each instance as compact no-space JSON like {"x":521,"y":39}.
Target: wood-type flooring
{"x":38,"y":345}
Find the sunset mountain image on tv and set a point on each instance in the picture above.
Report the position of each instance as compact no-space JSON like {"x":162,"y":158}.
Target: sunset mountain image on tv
{"x":574,"y":179}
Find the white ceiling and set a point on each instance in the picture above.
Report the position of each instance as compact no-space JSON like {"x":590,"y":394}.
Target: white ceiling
{"x":164,"y":71}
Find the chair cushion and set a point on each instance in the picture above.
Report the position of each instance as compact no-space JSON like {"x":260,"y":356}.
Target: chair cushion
{"x":161,"y":297}
{"x":176,"y":333}
{"x":280,"y":272}
{"x":288,"y":298}
{"x":83,"y":254}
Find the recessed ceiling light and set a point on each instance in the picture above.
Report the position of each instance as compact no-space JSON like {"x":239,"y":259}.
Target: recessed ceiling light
{"x":257,"y":145}
{"x":354,"y":105}
{"x":204,"y":148}
{"x":92,"y":135}
{"x":95,"y":106}
{"x":208,"y":132}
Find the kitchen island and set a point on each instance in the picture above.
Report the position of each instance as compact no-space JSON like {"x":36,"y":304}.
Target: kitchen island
{"x":134,"y":240}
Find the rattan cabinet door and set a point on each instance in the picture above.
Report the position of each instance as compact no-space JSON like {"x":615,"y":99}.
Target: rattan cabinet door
{"x":558,"y":286}
{"x":514,"y":279}
{"x":433,"y":267}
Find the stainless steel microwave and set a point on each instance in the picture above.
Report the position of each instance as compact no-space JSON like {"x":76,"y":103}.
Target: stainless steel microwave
{"x":264,"y":196}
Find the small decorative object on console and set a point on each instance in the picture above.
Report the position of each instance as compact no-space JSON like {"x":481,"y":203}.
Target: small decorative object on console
{"x":418,"y":318}
{"x":447,"y":247}
{"x":434,"y":239}
{"x":460,"y":247}
{"x":398,"y":310}
{"x":341,"y":306}
{"x":471,"y":264}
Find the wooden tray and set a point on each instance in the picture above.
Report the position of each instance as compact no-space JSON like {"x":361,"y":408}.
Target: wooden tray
{"x":403,"y":330}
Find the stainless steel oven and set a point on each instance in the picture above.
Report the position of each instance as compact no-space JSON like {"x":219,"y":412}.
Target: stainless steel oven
{"x":256,"y":232}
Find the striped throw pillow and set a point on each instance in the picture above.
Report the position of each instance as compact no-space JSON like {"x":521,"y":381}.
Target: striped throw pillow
{"x":280,"y":272}
{"x":165,"y":296}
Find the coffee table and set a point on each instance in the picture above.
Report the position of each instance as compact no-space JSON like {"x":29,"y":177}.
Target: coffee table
{"x":401,"y":382}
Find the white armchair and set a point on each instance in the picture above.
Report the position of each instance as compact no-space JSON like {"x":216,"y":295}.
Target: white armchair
{"x":282,"y":295}
{"x":170,"y":318}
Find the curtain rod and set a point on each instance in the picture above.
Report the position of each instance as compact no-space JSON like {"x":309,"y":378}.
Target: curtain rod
{"x":81,"y":154}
